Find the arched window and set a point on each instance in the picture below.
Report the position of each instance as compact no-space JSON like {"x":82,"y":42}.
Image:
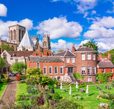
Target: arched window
{"x":45,"y":44}
{"x":14,"y":34}
{"x":11,"y":33}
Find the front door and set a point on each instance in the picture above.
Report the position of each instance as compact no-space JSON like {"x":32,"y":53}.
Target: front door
{"x":70,"y":69}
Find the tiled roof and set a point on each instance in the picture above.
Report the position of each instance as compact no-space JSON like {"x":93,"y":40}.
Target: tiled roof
{"x":84,"y":48}
{"x":66,"y":53}
{"x":105,"y":63}
{"x":20,"y":53}
{"x":45,"y":59}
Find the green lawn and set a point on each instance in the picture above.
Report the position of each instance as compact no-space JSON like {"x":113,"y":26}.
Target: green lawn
{"x":2,"y":88}
{"x":88,"y":102}
{"x":21,"y":89}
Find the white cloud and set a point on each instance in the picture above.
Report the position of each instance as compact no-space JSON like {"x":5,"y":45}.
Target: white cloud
{"x":102,"y":31}
{"x":4,"y":26}
{"x":3,"y":10}
{"x":61,"y":45}
{"x":84,"y":41}
{"x":27,"y":23}
{"x":59,"y":27}
{"x":85,"y":5}
{"x":102,"y":28}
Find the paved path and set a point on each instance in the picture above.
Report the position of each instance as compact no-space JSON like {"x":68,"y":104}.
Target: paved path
{"x":8,"y":97}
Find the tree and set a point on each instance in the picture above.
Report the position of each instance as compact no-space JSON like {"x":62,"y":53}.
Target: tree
{"x":2,"y":63}
{"x":77,"y":76}
{"x":18,"y":67}
{"x":33,"y":71}
{"x":6,"y":47}
{"x":91,"y":44}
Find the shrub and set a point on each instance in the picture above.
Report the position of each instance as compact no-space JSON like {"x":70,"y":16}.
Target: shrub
{"x":67,"y":104}
{"x":103,"y":77}
{"x":77,"y":76}
{"x":108,"y":87}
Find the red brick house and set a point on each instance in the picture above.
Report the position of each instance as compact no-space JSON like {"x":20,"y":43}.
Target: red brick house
{"x":83,"y":61}
{"x":86,"y":63}
{"x":105,"y":65}
{"x":51,"y":66}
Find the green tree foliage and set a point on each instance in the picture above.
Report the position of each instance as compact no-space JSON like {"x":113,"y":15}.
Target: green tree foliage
{"x":33,"y":71}
{"x":18,"y":67}
{"x":91,"y":44}
{"x":111,"y":52}
{"x":6,"y":47}
{"x":2,"y":63}
{"x":77,"y":76}
{"x":103,"y":77}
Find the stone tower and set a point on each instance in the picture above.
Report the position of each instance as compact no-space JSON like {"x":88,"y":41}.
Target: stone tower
{"x":46,"y":41}
{"x":16,"y":33}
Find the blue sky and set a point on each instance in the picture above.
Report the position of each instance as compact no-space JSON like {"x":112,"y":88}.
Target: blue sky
{"x":67,"y":21}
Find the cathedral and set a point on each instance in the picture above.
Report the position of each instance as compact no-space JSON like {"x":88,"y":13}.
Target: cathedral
{"x":19,"y":35}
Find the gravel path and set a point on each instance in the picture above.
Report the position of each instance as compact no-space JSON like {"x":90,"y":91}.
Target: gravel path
{"x":8,"y":97}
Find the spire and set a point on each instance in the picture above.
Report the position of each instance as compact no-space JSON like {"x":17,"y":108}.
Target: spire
{"x":26,"y":43}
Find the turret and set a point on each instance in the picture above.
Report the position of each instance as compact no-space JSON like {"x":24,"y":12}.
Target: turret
{"x":46,"y":41}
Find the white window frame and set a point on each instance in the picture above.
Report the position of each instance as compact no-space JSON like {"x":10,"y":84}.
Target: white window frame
{"x":89,"y":56}
{"x":49,"y":69}
{"x":94,"y":57}
{"x":83,"y":69}
{"x":95,"y":69}
{"x":83,"y":56}
{"x":90,"y":70}
{"x":73,"y":60}
{"x":67,"y":60}
{"x":60,"y":69}
{"x":54,"y":69}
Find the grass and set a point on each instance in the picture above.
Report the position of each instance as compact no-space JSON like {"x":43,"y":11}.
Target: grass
{"x":89,"y":101}
{"x":21,"y":89}
{"x":2,"y":88}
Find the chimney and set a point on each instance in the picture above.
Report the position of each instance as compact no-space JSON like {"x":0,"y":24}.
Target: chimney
{"x":73,"y":48}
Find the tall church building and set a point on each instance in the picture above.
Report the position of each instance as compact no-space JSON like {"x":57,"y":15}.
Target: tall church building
{"x":16,"y":33}
{"x":46,"y":42}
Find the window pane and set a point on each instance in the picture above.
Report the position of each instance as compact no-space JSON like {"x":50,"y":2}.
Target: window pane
{"x":83,"y":70}
{"x":50,"y":70}
{"x":73,"y":60}
{"x":94,"y":57}
{"x":68,"y":60}
{"x":89,"y":56}
{"x":44,"y":70}
{"x":55,"y":69}
{"x":61,"y":69}
{"x":83,"y":56}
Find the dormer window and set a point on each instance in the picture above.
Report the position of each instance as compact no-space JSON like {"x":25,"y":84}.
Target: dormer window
{"x":68,"y":60}
{"x":73,"y":60}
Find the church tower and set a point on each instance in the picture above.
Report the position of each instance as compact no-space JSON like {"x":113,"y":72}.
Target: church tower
{"x":16,"y":33}
{"x":46,"y":42}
